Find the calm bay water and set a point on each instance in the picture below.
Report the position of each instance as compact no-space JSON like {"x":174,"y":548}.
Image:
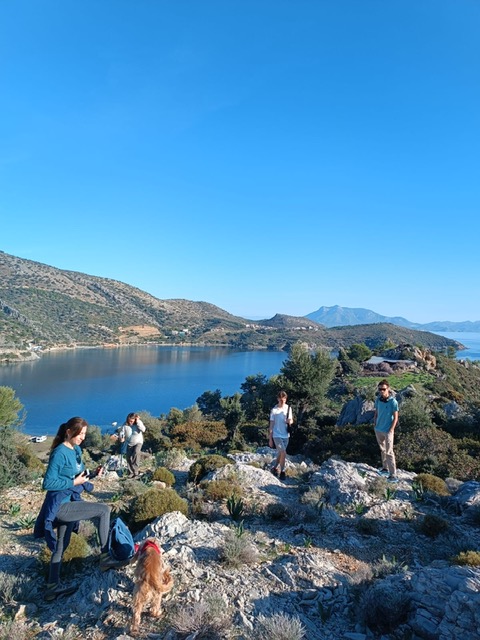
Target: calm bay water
{"x":469,"y":339}
{"x":103,"y":385}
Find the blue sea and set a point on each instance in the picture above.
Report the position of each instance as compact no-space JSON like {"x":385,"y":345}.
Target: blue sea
{"x":469,"y":339}
{"x":104,"y":385}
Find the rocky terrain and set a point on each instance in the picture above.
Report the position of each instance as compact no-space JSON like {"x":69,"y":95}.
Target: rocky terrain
{"x":333,"y":552}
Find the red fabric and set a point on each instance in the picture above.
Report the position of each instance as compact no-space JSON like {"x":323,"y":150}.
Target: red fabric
{"x":149,"y":543}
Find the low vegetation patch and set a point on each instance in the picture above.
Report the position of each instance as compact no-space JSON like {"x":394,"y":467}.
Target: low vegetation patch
{"x":432,"y":483}
{"x":201,"y":467}
{"x":469,"y":558}
{"x":162,"y":474}
{"x":153,"y":504}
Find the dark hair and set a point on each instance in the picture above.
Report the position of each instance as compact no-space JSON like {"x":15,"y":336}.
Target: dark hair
{"x":383,"y":383}
{"x":282,"y":394}
{"x":74,"y":425}
{"x":131,"y":416}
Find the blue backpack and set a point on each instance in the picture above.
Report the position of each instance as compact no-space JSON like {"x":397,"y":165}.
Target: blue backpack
{"x":120,"y":541}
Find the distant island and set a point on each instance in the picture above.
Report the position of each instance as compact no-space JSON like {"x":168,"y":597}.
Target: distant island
{"x":344,"y":316}
{"x":42,"y":308}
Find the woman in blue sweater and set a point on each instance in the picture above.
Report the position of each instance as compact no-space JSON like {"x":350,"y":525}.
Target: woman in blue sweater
{"x":63,"y":508}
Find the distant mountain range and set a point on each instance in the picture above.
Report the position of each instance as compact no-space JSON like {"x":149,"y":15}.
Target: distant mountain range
{"x":42,"y":307}
{"x":344,"y":316}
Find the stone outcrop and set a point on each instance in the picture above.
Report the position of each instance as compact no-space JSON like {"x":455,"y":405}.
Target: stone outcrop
{"x":327,"y":547}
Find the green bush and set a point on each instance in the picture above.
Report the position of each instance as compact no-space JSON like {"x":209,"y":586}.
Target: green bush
{"x":155,"y":437}
{"x":384,"y":608}
{"x":367,"y":526}
{"x":205,"y":465}
{"x":198,"y":435}
{"x":73,"y":558}
{"x":161,"y":474}
{"x":221,"y":489}
{"x":32,"y":462}
{"x":153,"y":504}
{"x":13,"y":471}
{"x":276,"y":511}
{"x":469,"y":558}
{"x":432,"y":525}
{"x":432,"y":483}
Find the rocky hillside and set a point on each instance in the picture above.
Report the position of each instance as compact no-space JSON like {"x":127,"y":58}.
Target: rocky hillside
{"x":334,"y":552}
{"x":43,"y":307}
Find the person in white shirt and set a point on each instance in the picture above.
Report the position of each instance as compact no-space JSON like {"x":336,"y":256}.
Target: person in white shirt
{"x":134,"y":430}
{"x":280,"y":419}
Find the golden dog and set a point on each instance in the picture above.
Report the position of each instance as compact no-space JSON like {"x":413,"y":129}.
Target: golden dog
{"x":151,"y":582}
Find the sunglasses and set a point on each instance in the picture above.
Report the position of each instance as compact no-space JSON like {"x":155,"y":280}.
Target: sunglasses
{"x":382,"y":388}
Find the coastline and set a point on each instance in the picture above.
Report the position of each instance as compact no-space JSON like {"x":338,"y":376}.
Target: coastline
{"x":36,"y":355}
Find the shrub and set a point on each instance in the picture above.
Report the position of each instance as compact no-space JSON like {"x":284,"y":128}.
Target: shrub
{"x":432,"y":483}
{"x":15,"y":630}
{"x":13,"y":471}
{"x":278,"y":627}
{"x":276,"y":511}
{"x":13,"y":588}
{"x":73,"y":558}
{"x":154,"y":437}
{"x":385,"y":608}
{"x":221,"y":489}
{"x":377,"y":486}
{"x":432,"y":450}
{"x":161,"y":474}
{"x":432,"y":525}
{"x":315,"y":496}
{"x":235,"y":507}
{"x":238,"y":549}
{"x":133,"y":488}
{"x":206,"y":619}
{"x":367,"y":526}
{"x":205,"y":465}
{"x":154,"y":503}
{"x":170,"y":457}
{"x":197,"y":435}
{"x":93,"y":438}
{"x":385,"y":567}
{"x":32,"y":462}
{"x":470,"y":558}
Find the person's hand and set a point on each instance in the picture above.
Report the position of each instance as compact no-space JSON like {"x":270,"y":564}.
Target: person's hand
{"x":81,"y":478}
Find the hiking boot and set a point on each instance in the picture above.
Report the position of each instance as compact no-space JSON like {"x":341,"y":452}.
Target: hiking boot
{"x":274,"y":470}
{"x":108,"y":562}
{"x":383,"y":472}
{"x":57,"y":590}
{"x":282,"y":475}
{"x":392,"y":479}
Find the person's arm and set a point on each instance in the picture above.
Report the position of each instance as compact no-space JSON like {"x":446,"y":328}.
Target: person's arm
{"x":270,"y":433}
{"x":140,"y":425}
{"x":394,"y":421}
{"x":374,"y":418}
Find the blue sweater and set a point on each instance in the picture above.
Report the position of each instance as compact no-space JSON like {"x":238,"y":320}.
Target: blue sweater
{"x":64,"y":464}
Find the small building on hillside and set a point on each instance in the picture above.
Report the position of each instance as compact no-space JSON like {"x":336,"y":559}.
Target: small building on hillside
{"x":380,"y":365}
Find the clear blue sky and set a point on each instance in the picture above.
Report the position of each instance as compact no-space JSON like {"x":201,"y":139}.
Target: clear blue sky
{"x":264,"y":156}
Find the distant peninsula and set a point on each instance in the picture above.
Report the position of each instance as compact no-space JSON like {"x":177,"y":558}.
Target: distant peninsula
{"x":42,"y":308}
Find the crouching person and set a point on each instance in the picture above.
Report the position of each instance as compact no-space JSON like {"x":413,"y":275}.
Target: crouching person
{"x":63,"y":507}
